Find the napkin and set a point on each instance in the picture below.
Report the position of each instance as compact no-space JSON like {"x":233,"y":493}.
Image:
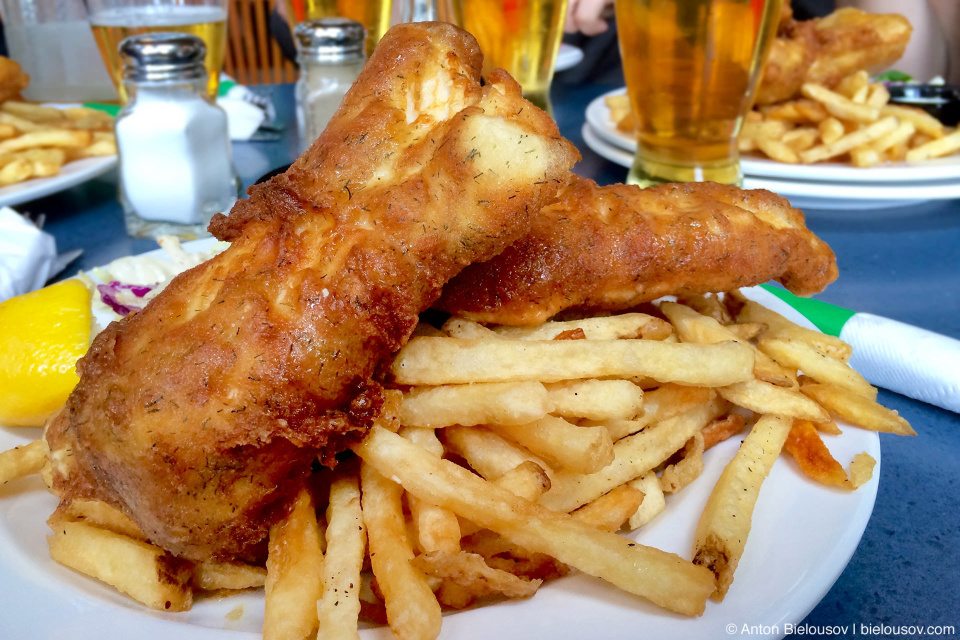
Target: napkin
{"x":245,"y":110}
{"x":27,"y":255}
{"x":914,"y":362}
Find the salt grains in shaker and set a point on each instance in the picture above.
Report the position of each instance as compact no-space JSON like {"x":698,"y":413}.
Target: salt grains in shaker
{"x":175,"y":162}
{"x":330,"y":53}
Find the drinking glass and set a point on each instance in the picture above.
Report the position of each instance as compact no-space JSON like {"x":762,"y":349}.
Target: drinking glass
{"x":691,"y":68}
{"x":521,"y":36}
{"x":114,"y":20}
{"x":51,"y":41}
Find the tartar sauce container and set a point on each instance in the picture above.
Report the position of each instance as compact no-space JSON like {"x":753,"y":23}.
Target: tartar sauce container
{"x":175,"y":160}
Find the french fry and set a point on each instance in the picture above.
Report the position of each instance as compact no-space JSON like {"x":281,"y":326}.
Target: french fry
{"x":653,"y":500}
{"x":923,"y":121}
{"x":663,"y":578}
{"x":780,"y":327}
{"x":33,"y":112}
{"x":831,"y":130}
{"x":633,"y":456}
{"x":564,"y":446}
{"x":412,"y":609}
{"x":595,"y":399}
{"x":435,"y":361}
{"x":487,"y":453}
{"x":17,"y":170}
{"x":624,"y":325}
{"x":47,"y":138}
{"x":688,"y":468}
{"x":800,"y":355}
{"x":857,"y":409}
{"x":294,"y":565}
{"x":777,"y":150}
{"x":214,"y":575}
{"x":936,"y":148}
{"x":813,"y":457}
{"x":898,"y":136}
{"x":763,"y":397}
{"x":847,"y":142}
{"x":725,"y":523}
{"x":470,"y":404}
{"x":339,"y":608}
{"x":102,"y":515}
{"x":861,"y":469}
{"x":722,"y":428}
{"x":853,"y":83}
{"x":663,"y":403}
{"x":878,"y":96}
{"x":437,"y":529}
{"x":146,"y":573}
{"x":22,"y":461}
{"x":470,"y":572}
{"x":612,"y":509}
{"x":456,"y":327}
{"x":840,"y":106}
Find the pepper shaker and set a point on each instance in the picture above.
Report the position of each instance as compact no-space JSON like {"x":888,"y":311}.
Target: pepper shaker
{"x":331,"y":54}
{"x":175,"y":160}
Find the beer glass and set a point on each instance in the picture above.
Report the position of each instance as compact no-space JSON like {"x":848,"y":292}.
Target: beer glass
{"x":114,"y":20}
{"x":521,"y":36}
{"x":374,"y":15}
{"x":691,"y":68}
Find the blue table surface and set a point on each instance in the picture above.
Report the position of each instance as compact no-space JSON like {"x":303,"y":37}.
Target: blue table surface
{"x":903,"y":264}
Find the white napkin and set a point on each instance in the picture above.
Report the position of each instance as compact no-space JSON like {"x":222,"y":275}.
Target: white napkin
{"x":27,"y":255}
{"x":917,"y":363}
{"x":243,"y":116}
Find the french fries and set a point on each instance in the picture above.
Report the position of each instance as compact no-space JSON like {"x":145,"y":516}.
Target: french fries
{"x":853,"y":122}
{"x":519,"y":455}
{"x":36,"y":141}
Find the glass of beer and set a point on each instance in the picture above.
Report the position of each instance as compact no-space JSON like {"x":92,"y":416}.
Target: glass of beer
{"x":114,"y":20}
{"x":691,"y":68}
{"x":374,"y":15}
{"x":521,"y":36}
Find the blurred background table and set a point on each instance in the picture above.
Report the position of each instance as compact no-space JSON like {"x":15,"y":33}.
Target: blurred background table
{"x":902,"y":264}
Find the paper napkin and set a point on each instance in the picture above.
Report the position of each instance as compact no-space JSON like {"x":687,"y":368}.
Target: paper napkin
{"x":915,"y":362}
{"x":27,"y":255}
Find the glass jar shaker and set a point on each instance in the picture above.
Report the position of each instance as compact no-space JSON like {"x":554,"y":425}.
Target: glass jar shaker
{"x":175,"y":160}
{"x":330,"y":53}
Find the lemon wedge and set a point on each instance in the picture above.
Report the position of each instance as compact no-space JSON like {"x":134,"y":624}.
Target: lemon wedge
{"x":42,"y":335}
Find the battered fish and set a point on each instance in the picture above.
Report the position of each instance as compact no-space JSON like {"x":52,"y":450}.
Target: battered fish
{"x":611,"y":248}
{"x":826,"y":50}
{"x":200,"y":414}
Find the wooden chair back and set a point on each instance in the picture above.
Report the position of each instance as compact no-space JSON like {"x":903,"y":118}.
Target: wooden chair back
{"x":253,"y":56}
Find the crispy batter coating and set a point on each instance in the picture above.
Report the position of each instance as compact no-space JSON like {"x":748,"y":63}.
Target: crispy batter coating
{"x":199,"y":415}
{"x":12,"y":79}
{"x":611,"y":248}
{"x":826,"y":50}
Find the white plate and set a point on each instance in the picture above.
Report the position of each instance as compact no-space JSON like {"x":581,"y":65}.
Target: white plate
{"x":941,"y":169}
{"x":568,"y":57}
{"x":807,"y":196}
{"x":803,"y":535}
{"x":71,"y":174}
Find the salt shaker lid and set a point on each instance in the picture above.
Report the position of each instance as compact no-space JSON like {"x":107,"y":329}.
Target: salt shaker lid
{"x":331,"y":39}
{"x":162,"y":56}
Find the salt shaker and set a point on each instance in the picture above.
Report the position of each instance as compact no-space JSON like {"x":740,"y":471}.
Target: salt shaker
{"x":175,"y":161}
{"x":331,"y":54}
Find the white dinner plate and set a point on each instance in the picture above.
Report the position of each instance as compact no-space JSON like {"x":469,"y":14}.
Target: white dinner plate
{"x":71,"y":174}
{"x":833,"y":196}
{"x":568,"y":57}
{"x":802,"y":537}
{"x":940,"y":169}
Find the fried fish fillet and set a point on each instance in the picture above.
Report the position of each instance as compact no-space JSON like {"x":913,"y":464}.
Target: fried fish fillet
{"x":200,"y":414}
{"x":826,"y":50}
{"x":611,"y":248}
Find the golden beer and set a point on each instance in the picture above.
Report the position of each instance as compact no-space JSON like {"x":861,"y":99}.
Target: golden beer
{"x":691,"y":68}
{"x":374,"y":15}
{"x":522,"y":36}
{"x":209,"y":23}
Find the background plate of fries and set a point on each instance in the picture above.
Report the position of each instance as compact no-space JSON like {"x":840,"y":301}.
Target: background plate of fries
{"x":45,"y":149}
{"x":793,"y":136}
{"x":812,"y":195}
{"x":801,"y":538}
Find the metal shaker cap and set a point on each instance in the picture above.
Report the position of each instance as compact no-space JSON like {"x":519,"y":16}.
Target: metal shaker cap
{"x":331,"y":39}
{"x":158,"y":57}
